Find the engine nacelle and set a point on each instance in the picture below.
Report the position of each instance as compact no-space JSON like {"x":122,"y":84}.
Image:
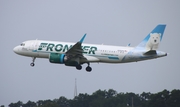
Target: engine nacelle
{"x":57,"y":58}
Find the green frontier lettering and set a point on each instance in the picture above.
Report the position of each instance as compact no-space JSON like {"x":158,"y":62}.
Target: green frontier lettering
{"x":89,"y":50}
{"x":85,"y":49}
{"x":61,"y":48}
{"x":42,"y":45}
{"x":50,"y":46}
{"x":92,"y":50}
{"x":58,"y":47}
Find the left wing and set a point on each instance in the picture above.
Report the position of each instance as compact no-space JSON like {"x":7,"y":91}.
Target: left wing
{"x":75,"y":53}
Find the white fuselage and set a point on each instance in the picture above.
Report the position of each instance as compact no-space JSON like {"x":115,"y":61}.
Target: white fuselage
{"x":76,"y":54}
{"x":92,"y":52}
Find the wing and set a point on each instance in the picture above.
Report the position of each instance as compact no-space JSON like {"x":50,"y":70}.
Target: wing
{"x":75,"y":53}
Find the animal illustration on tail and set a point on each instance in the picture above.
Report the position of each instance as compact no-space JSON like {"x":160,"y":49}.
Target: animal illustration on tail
{"x":153,"y":42}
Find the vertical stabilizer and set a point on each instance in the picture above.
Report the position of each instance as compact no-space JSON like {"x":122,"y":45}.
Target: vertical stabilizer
{"x":153,"y":39}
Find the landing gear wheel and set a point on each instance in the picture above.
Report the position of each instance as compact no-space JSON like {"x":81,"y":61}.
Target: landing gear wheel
{"x":78,"y":67}
{"x":88,"y":69}
{"x":32,"y":64}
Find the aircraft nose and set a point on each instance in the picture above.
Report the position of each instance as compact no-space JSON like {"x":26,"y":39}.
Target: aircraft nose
{"x":16,"y":49}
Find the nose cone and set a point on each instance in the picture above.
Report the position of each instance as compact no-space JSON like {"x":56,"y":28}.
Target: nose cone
{"x":16,"y":49}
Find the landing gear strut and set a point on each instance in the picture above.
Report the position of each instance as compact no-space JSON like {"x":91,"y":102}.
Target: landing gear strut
{"x":33,"y":59}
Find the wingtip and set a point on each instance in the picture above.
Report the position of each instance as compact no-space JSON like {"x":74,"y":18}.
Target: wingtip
{"x":82,"y":39}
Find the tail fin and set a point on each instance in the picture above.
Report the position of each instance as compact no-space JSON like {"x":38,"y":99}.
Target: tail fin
{"x":152,"y":40}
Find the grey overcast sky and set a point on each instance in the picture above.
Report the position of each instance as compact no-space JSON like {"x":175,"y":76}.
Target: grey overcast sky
{"x":114,"y":22}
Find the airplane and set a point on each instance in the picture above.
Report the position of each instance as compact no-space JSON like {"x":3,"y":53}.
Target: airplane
{"x":76,"y":54}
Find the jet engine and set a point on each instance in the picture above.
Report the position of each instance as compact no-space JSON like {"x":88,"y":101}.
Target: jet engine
{"x":57,"y":58}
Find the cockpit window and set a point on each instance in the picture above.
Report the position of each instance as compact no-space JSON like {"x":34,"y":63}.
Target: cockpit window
{"x":22,"y":44}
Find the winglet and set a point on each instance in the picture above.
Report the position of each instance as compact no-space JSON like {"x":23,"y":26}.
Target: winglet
{"x":129,"y":44}
{"x":82,"y":39}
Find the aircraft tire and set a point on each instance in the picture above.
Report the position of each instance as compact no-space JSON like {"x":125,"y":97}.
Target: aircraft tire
{"x":88,"y":69}
{"x":32,"y":64}
{"x":78,"y":67}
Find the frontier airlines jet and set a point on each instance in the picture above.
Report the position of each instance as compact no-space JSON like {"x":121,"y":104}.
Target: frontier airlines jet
{"x":76,"y":54}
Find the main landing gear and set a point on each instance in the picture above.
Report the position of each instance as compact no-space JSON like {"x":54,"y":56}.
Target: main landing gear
{"x":33,"y":60}
{"x":88,"y":68}
{"x":78,"y":67}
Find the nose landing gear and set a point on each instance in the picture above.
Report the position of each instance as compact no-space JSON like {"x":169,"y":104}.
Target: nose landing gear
{"x":33,"y":60}
{"x":32,"y":64}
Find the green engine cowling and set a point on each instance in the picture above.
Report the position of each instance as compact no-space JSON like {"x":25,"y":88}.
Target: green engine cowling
{"x":61,"y":59}
{"x":57,"y":58}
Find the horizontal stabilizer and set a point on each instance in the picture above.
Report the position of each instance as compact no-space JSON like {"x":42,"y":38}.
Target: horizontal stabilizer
{"x":151,"y":52}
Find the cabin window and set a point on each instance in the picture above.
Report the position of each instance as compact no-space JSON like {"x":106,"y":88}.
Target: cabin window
{"x":22,"y":44}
